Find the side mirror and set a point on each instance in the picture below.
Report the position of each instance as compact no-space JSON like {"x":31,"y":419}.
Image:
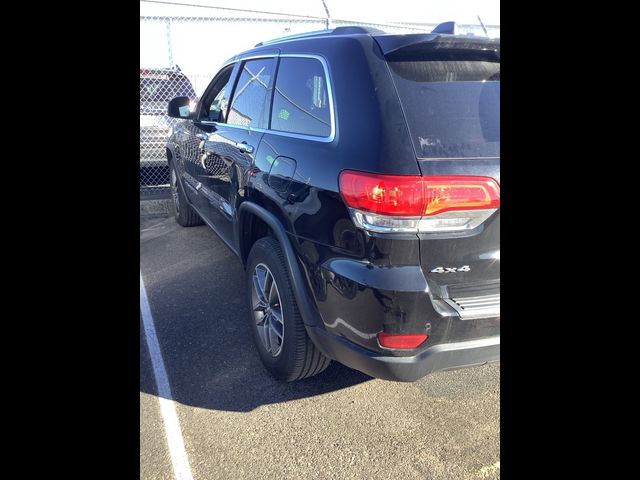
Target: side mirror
{"x":179,"y":107}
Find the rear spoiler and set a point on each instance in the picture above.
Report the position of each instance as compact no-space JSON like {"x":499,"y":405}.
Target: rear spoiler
{"x":393,"y":44}
{"x":443,"y":36}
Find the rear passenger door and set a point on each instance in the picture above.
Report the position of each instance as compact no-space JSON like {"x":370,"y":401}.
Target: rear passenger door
{"x":230,"y":148}
{"x":295,"y":165}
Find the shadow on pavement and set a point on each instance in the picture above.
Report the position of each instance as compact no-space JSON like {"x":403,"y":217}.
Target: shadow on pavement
{"x":201,"y":319}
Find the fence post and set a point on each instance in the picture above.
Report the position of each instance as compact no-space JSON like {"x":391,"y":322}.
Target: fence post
{"x":169,"y":41}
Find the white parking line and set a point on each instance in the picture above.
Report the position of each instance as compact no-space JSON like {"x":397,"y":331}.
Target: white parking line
{"x":179,"y":459}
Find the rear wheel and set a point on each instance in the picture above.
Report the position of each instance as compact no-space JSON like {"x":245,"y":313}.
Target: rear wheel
{"x":184,"y":214}
{"x":284,"y":347}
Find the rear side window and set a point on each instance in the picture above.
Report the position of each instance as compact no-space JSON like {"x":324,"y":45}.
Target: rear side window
{"x":301,"y":99}
{"x":250,"y":107}
{"x":452,"y":106}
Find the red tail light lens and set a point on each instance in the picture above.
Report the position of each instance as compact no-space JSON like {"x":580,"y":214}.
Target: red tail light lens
{"x":397,"y":340}
{"x":415,"y":196}
{"x":397,"y":195}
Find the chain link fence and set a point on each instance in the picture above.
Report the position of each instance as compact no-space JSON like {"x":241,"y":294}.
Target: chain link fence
{"x":183,"y":46}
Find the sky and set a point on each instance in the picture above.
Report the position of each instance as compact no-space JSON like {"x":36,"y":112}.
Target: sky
{"x":200,"y":47}
{"x":428,"y":11}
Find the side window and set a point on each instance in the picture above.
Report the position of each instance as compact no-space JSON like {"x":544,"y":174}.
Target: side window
{"x":301,"y":102}
{"x":250,"y":105}
{"x":215,"y":107}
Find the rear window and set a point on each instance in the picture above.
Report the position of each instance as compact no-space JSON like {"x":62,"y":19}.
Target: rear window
{"x":161,"y":87}
{"x":452,"y":106}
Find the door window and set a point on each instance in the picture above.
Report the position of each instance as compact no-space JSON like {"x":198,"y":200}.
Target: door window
{"x":250,"y":105}
{"x":215,"y":106}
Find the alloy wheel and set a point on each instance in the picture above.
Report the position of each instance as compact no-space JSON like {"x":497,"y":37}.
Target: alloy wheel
{"x":267,"y":309}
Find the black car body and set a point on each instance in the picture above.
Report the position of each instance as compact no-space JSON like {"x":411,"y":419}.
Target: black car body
{"x":373,"y":161}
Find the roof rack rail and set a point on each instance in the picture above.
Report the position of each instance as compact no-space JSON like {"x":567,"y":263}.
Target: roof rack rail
{"x":345,"y":30}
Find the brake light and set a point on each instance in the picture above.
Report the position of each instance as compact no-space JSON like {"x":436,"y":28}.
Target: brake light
{"x":385,"y":194}
{"x":400,"y":340}
{"x":410,"y":203}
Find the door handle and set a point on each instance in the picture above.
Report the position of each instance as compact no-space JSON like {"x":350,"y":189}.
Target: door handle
{"x":243,"y":147}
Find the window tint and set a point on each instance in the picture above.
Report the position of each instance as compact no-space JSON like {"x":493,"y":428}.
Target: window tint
{"x":301,"y":101}
{"x":216,"y":110}
{"x":252,"y":94}
{"x":452,"y":106}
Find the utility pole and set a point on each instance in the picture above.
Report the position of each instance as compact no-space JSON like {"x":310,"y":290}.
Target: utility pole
{"x":328,"y":15}
{"x":486,"y":34}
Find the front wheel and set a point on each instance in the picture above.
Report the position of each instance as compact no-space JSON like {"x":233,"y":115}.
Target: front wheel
{"x":284,"y":347}
{"x":184,"y":214}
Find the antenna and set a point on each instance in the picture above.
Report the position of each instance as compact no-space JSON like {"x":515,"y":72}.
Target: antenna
{"x":483,"y":27}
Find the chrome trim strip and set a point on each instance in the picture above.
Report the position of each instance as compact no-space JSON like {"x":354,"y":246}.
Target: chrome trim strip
{"x":332,"y":111}
{"x":212,"y":196}
{"x":250,"y":57}
{"x":458,"y":158}
{"x":476,"y":307}
{"x":191,"y":180}
{"x":359,"y":218}
{"x":418,"y":223}
{"x":212,"y":227}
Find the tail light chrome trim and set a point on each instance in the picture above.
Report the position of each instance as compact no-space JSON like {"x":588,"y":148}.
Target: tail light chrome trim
{"x":453,"y":221}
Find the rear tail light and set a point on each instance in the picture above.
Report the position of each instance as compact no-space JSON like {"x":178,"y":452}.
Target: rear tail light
{"x":399,"y":340}
{"x":404,"y":203}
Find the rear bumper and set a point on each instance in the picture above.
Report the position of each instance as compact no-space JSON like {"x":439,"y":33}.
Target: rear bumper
{"x":444,"y":356}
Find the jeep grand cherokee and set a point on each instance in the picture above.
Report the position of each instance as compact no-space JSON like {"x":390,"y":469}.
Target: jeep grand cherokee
{"x":356,"y":176}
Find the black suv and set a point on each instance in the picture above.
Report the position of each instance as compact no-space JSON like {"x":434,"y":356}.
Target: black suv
{"x":356,"y":176}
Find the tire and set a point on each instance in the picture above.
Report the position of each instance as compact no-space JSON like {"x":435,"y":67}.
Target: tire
{"x":184,"y":214}
{"x":293,"y":356}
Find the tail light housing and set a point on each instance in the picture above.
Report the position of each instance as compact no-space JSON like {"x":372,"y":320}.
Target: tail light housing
{"x":414,"y":204}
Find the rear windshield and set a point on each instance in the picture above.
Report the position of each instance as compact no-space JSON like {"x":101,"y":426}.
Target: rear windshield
{"x":164,"y":87}
{"x":452,"y":106}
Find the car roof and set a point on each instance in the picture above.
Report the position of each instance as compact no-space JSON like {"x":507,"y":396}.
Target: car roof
{"x":443,"y":36}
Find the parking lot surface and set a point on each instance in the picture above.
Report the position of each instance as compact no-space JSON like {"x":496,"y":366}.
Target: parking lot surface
{"x":238,"y":422}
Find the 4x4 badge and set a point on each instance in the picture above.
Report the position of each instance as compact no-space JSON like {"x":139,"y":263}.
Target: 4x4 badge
{"x":464,"y":268}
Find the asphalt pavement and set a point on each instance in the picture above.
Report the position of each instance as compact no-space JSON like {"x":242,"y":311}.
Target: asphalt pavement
{"x":238,"y":422}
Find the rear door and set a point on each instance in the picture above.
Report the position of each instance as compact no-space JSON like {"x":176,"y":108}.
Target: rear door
{"x":230,"y":148}
{"x":451,"y":100}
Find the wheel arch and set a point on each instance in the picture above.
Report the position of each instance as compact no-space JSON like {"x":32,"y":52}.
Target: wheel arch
{"x":247,"y":210}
